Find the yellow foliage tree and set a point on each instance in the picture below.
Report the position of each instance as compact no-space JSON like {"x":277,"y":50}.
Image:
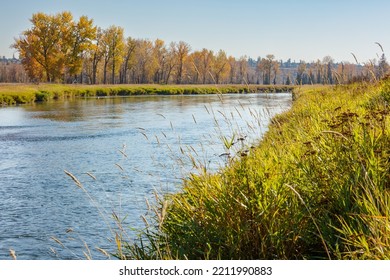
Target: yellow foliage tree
{"x":53,"y":46}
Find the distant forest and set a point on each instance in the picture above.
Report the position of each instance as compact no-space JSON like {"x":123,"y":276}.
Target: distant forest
{"x":59,"y":49}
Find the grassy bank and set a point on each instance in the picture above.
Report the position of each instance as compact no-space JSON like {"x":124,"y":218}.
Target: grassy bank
{"x":11,"y":94}
{"x":316,"y":187}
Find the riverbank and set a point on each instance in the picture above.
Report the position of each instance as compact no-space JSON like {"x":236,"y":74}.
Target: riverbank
{"x":12,"y":94}
{"x":316,"y":187}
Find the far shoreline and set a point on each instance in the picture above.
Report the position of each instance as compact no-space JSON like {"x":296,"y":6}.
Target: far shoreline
{"x":15,"y":94}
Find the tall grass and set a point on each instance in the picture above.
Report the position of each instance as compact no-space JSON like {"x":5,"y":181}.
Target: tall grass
{"x":316,"y":187}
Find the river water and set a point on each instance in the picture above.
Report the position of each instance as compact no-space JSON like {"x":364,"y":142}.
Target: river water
{"x":122,"y":150}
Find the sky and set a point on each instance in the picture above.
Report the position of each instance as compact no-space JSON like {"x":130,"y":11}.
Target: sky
{"x":298,"y":29}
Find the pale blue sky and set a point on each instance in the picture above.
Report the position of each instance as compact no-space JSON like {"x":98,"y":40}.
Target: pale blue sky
{"x":296,"y":29}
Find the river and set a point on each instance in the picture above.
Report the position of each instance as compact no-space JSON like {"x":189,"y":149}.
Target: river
{"x":122,"y":150}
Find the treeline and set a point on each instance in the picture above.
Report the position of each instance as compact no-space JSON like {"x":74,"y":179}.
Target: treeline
{"x":12,"y":71}
{"x":57,"y":48}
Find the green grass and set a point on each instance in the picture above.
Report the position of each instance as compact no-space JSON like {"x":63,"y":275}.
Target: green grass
{"x":11,"y":94}
{"x":317,"y":186}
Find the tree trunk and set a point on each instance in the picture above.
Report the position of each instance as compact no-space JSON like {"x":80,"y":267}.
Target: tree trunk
{"x":105,"y":72}
{"x":113,"y":72}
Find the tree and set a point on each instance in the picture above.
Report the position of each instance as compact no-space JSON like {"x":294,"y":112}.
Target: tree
{"x":40,"y":47}
{"x":288,"y":80}
{"x":129,"y":58}
{"x":300,"y":80}
{"x":159,"y":54}
{"x":383,"y":67}
{"x":319,"y":72}
{"x":169,"y":62}
{"x":95,"y":54}
{"x":242,"y":64}
{"x":220,"y":67}
{"x":275,"y":70}
{"x":54,"y":45}
{"x":112,"y":49}
{"x":268,"y":66}
{"x":195,"y":59}
{"x":233,"y":69}
{"x":328,"y":75}
{"x":78,"y":43}
{"x":181,"y":51}
{"x":206,"y":57}
{"x":145,"y":64}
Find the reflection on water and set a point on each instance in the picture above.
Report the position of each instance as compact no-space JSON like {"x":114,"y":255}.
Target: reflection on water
{"x":132,"y":146}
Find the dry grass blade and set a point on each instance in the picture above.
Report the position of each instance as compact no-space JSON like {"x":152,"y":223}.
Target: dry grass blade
{"x":193,"y":117}
{"x":90,"y":175}
{"x":87,"y":254}
{"x":354,"y":56}
{"x":78,"y":183}
{"x":12,"y":253}
{"x":144,"y":134}
{"x":123,"y":153}
{"x":69,"y":230}
{"x":164,"y":210}
{"x":120,"y":167}
{"x":379,"y":46}
{"x":53,"y":251}
{"x":57,"y":241}
{"x":104,"y":252}
{"x":145,"y":221}
{"x":207,"y":109}
{"x":118,"y":241}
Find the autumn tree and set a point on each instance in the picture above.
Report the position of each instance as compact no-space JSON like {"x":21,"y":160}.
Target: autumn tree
{"x":32,"y":60}
{"x":145,"y":63}
{"x":160,"y":59}
{"x":242,"y":70}
{"x":181,"y":51}
{"x":128,"y":60}
{"x":94,"y":55}
{"x":40,"y":46}
{"x":81,"y":35}
{"x":233,"y":69}
{"x":170,"y":62}
{"x":220,"y":67}
{"x":58,"y":48}
{"x":195,"y":59}
{"x":112,"y":48}
{"x":206,"y":57}
{"x":53,"y":46}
